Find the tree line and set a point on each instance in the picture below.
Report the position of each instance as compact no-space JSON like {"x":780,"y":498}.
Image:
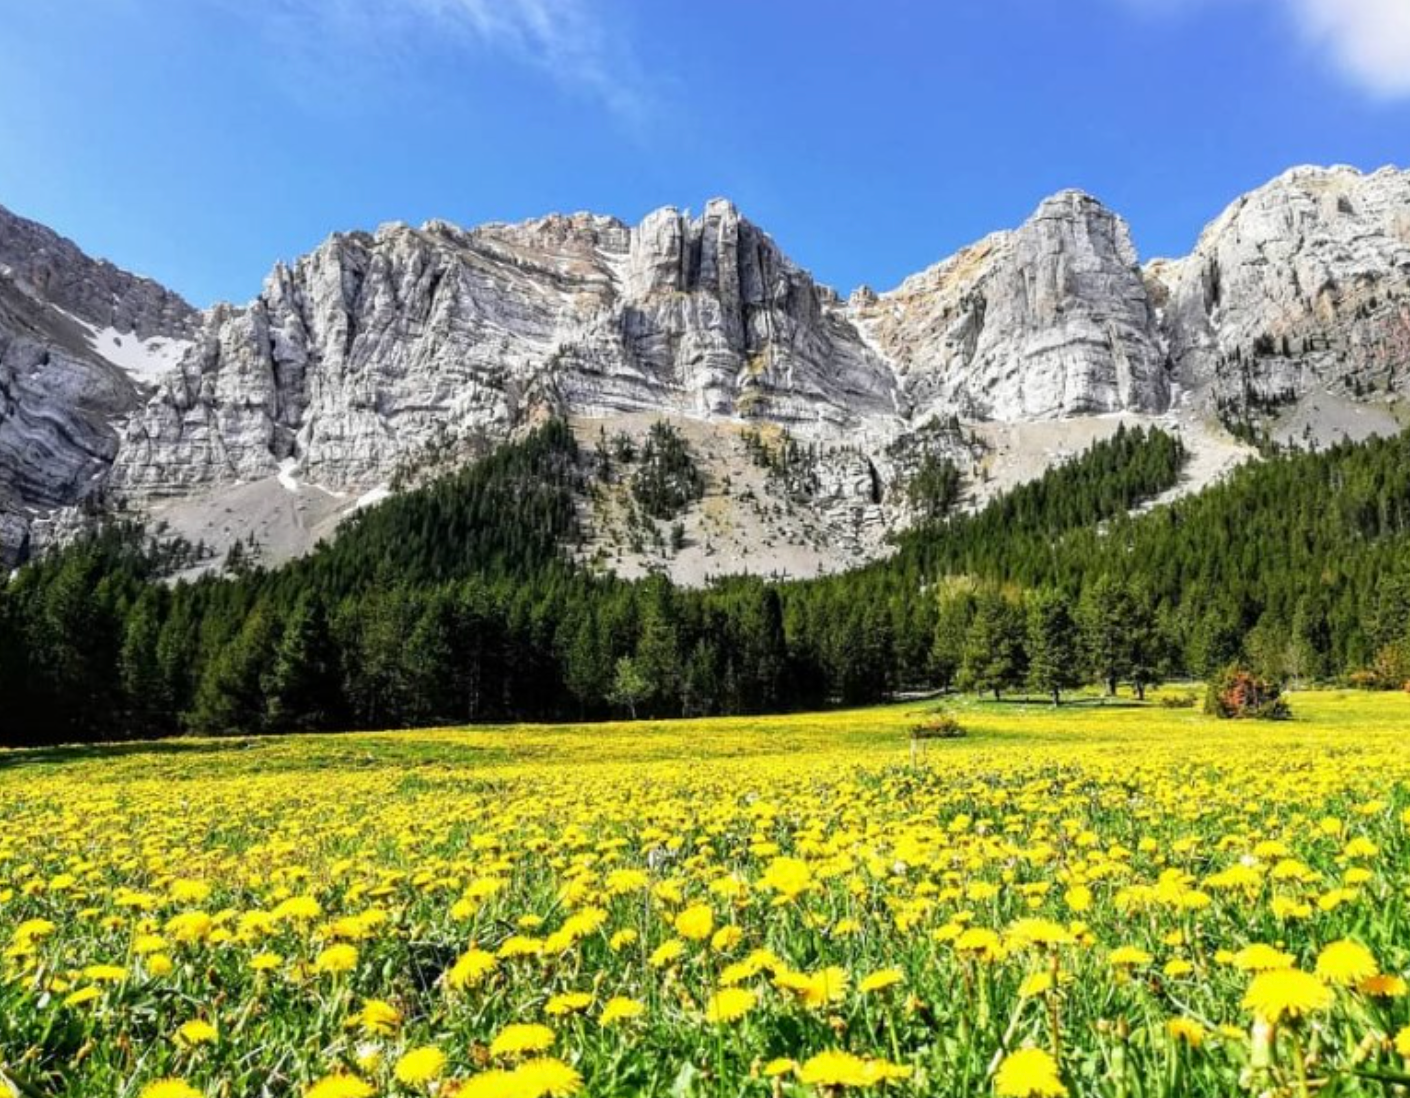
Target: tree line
{"x":459,"y":601}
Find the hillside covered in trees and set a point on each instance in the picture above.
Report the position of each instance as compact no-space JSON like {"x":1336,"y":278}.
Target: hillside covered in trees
{"x":459,"y":602}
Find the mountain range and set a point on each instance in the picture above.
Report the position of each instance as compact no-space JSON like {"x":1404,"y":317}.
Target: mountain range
{"x":381,"y":356}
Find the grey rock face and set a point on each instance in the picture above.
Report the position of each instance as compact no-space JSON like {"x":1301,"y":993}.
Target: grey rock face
{"x":1050,"y":320}
{"x":62,"y":315}
{"x":380,"y":351}
{"x":1300,"y":285}
{"x":375,"y":348}
{"x":52,"y":270}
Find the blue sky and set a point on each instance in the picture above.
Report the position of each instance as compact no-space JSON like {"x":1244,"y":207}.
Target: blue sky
{"x":198,"y":141}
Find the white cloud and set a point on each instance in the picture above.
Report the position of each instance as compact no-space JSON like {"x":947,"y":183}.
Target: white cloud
{"x":569,"y":41}
{"x":565,"y":38}
{"x":1367,"y":40}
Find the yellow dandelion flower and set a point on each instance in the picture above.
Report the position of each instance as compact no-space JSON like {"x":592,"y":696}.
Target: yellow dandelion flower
{"x":1286,"y":993}
{"x":666,"y":953}
{"x":621,"y":881}
{"x":190,"y":927}
{"x":340,"y":1085}
{"x":520,"y":1038}
{"x":880,"y":980}
{"x":570,"y":1002}
{"x":1261,"y":958}
{"x":170,"y":1088}
{"x":105,"y":974}
{"x":420,"y":1066}
{"x":196,"y":1032}
{"x":818,"y":989}
{"x":378,"y":1017}
{"x":297,"y":909}
{"x":491,"y":1084}
{"x":730,"y":1004}
{"x":843,"y":1069}
{"x":620,"y":1009}
{"x":789,"y":877}
{"x":1346,"y":963}
{"x":471,"y":969}
{"x":979,"y":942}
{"x":545,"y":1077}
{"x":834,"y":1069}
{"x":158,"y":965}
{"x":519,"y":945}
{"x":695,"y":923}
{"x":1037,"y":932}
{"x":336,"y":959}
{"x":1185,"y":1029}
{"x":1029,"y":1073}
{"x":81,"y":996}
{"x":1383,"y":987}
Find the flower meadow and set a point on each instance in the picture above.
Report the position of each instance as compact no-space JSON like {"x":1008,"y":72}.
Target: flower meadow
{"x":1098,"y":900}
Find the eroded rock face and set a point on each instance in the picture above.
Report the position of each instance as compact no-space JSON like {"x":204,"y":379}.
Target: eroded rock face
{"x":75,"y":334}
{"x":379,"y":351}
{"x":1050,"y":320}
{"x":376,"y":348}
{"x":1300,"y":285}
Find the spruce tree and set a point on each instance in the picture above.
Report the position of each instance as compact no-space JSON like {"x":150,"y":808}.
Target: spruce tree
{"x":1052,"y":645}
{"x":994,"y":657}
{"x":302,"y":685}
{"x":1106,"y":620}
{"x":147,"y":699}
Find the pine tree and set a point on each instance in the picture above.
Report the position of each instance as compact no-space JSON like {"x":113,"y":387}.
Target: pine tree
{"x":952,"y":622}
{"x":429,"y":690}
{"x":1106,"y":618}
{"x":230,"y":698}
{"x":994,"y":656}
{"x":585,"y":661}
{"x":1148,"y":653}
{"x":147,"y":699}
{"x":700,"y":681}
{"x":302,"y":686}
{"x":658,"y":647}
{"x":1052,"y":645}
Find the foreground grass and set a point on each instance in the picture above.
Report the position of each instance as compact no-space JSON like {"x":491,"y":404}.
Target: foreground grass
{"x":721,"y":907}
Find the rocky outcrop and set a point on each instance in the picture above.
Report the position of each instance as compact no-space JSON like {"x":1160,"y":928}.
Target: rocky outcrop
{"x":1299,"y":286}
{"x":407,"y":346}
{"x":73,"y":332}
{"x":376,"y":348}
{"x":1052,"y":319}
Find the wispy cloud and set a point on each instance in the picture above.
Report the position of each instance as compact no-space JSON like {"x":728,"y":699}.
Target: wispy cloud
{"x":1368,"y":41}
{"x":571,"y":42}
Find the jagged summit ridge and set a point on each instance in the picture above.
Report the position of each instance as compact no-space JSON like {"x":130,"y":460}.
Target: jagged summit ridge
{"x":379,"y":347}
{"x":1051,"y":319}
{"x":375,"y":346}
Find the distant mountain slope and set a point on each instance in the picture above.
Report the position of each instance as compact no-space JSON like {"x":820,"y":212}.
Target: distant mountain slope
{"x":382,"y":353}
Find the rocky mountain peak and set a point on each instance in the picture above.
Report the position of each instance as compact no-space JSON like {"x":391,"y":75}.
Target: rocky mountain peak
{"x":52,"y":269}
{"x":381,"y":351}
{"x":1299,"y":289}
{"x":1050,"y":319}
